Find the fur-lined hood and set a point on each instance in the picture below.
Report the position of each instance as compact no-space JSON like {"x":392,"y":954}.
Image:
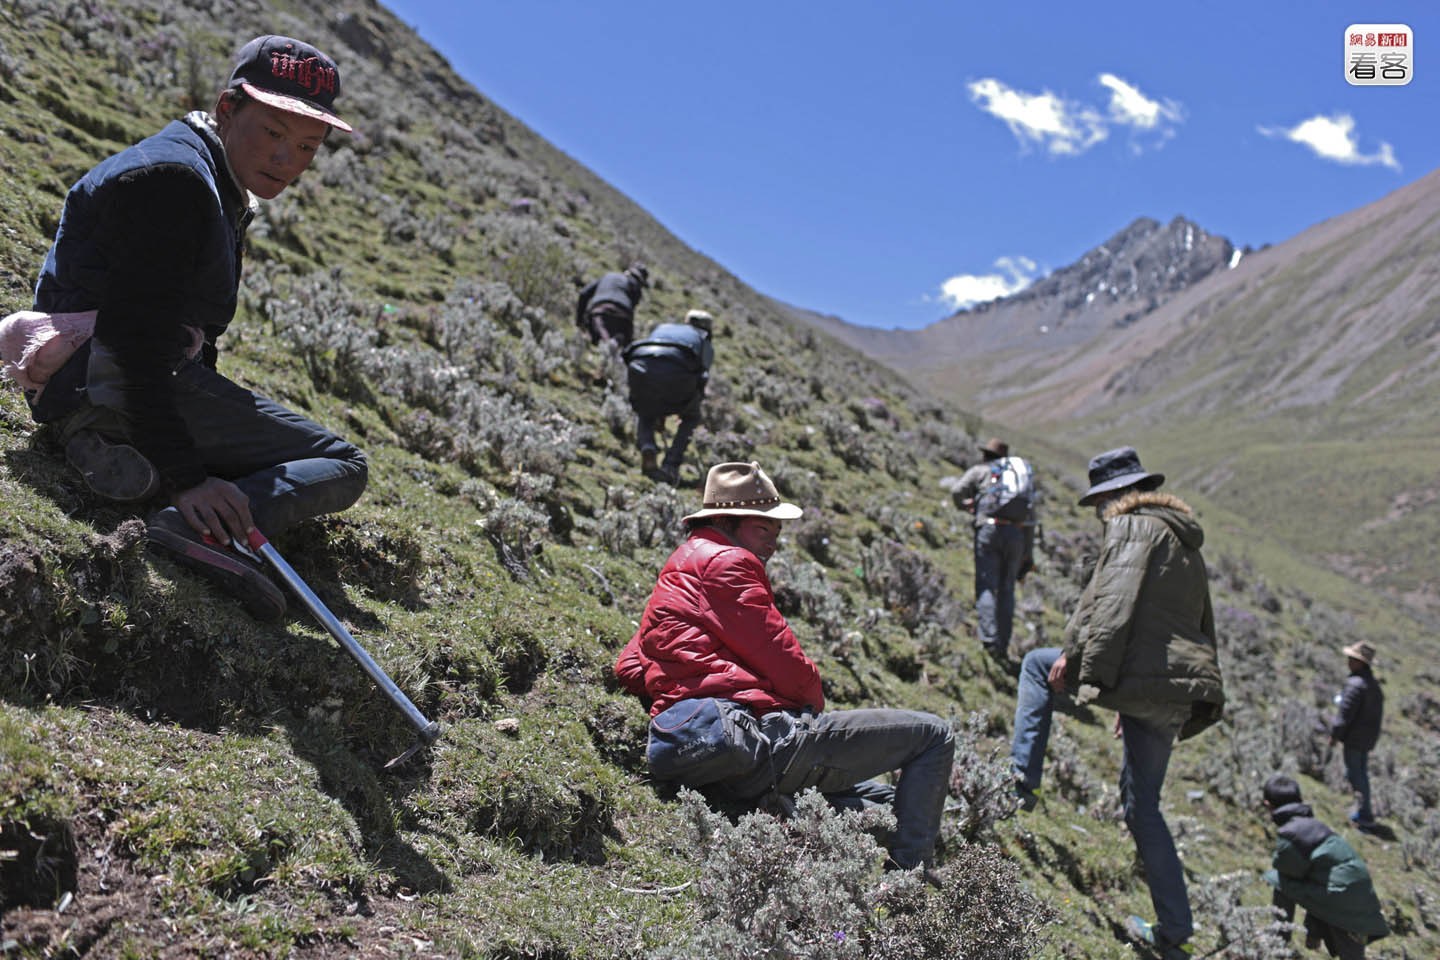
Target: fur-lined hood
{"x":1176,"y":513}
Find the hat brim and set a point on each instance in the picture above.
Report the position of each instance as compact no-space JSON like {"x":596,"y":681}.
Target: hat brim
{"x":1355,"y":653}
{"x":781,"y":511}
{"x":1150,"y":481}
{"x":295,"y":105}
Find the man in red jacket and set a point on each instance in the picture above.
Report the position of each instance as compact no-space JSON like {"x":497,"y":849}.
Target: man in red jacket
{"x":711,"y":629}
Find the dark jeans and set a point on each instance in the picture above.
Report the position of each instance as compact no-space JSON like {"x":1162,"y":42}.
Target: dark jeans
{"x":1357,"y":774}
{"x":999,"y":552}
{"x":836,"y":750}
{"x":662,"y":386}
{"x":1340,"y":943}
{"x":291,"y":468}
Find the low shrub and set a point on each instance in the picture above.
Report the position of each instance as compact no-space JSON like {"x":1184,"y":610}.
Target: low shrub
{"x":982,"y":779}
{"x":908,"y":585}
{"x":983,"y":911}
{"x":802,"y":591}
{"x":798,"y":888}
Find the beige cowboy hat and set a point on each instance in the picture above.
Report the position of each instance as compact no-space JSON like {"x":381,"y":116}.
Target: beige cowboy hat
{"x":742,"y":490}
{"x":1361,"y":651}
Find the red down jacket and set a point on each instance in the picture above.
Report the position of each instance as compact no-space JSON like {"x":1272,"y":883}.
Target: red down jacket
{"x":711,"y":629}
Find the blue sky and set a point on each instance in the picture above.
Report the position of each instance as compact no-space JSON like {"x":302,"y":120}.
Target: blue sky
{"x":886,"y":162}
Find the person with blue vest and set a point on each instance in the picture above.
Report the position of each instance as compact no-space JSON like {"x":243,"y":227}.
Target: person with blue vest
{"x":667,"y":373}
{"x":150,"y":245}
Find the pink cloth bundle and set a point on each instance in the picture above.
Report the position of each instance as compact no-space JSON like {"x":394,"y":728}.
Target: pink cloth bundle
{"x":34,"y":345}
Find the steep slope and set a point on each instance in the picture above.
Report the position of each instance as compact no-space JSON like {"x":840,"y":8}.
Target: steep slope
{"x":178,"y":780}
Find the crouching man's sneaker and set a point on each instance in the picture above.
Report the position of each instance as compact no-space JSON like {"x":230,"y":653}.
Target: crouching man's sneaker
{"x":115,"y":471}
{"x":239,"y":576}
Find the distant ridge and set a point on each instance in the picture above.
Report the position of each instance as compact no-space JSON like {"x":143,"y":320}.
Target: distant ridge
{"x":1113,"y":285}
{"x":1299,"y":366}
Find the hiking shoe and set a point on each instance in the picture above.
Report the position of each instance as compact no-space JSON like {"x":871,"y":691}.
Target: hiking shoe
{"x":647,"y":461}
{"x":668,"y":474}
{"x":1143,"y":930}
{"x":1003,"y":661}
{"x":1027,"y":797}
{"x":115,"y":471}
{"x":239,"y":576}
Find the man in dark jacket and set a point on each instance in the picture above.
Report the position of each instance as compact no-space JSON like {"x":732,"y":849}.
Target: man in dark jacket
{"x":606,"y":308}
{"x":667,"y":373}
{"x":1004,"y":551}
{"x":1357,"y":727}
{"x":151,"y":240}
{"x":711,"y":629}
{"x":1141,"y":642}
{"x":1315,"y":868}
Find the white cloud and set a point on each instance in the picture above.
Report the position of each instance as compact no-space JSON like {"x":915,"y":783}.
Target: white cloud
{"x":1067,"y":127}
{"x":1059,"y":126}
{"x":1132,"y":108}
{"x":1333,"y":138}
{"x":1012,"y":275}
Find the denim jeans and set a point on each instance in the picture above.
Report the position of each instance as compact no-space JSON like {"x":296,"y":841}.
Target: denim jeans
{"x":836,"y":750}
{"x":291,"y":469}
{"x":1147,"y":755}
{"x":1357,"y":774}
{"x":999,"y":551}
{"x":1034,"y":705}
{"x":1147,"y":744}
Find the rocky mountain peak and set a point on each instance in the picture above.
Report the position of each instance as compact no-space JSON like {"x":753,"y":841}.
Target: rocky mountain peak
{"x":1142,"y":266}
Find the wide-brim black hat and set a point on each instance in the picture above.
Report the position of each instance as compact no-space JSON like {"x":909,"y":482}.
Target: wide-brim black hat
{"x":1117,"y":469}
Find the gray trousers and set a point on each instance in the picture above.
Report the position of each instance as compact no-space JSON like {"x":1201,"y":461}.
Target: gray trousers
{"x":836,"y":750}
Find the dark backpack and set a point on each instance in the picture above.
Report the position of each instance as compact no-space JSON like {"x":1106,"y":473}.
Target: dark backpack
{"x":1009,"y":493}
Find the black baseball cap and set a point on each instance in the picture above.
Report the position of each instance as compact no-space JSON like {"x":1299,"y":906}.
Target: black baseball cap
{"x":290,"y":75}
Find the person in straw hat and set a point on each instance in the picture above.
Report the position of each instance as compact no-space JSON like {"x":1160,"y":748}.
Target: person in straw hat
{"x":711,"y":629}
{"x":1356,"y":727}
{"x":1141,"y":641}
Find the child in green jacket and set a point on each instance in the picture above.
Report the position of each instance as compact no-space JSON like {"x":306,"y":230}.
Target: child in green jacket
{"x":1315,"y":868}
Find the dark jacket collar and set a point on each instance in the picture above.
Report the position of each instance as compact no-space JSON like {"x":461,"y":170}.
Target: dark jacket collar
{"x":1290,"y":811}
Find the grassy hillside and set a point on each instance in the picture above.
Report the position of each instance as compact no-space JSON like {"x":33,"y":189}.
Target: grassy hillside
{"x":178,"y":780}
